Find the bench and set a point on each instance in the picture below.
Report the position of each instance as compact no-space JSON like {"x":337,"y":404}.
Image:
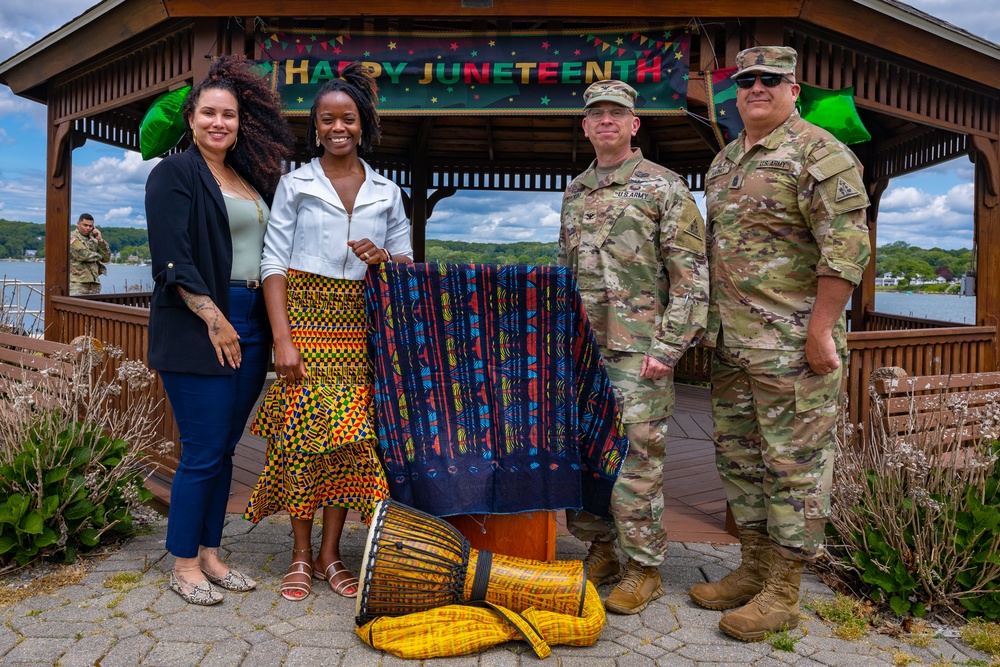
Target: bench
{"x":43,"y":365}
{"x":953,"y":411}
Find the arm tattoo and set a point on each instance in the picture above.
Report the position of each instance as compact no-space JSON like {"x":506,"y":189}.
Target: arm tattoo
{"x":202,"y":302}
{"x":196,"y":302}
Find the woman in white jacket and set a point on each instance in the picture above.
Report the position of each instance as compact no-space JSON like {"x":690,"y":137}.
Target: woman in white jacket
{"x":331,"y":219}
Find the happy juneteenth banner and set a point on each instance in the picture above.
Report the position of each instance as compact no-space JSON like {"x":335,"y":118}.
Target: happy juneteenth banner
{"x":484,"y":73}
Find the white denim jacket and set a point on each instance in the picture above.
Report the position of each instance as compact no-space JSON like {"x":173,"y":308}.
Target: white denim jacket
{"x":309,"y":226}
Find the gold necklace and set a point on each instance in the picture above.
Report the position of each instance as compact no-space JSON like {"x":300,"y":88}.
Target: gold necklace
{"x":219,"y":179}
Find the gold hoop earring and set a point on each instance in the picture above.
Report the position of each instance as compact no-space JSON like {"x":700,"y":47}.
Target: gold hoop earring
{"x":194,"y":138}
{"x":234,"y":143}
{"x":318,"y":142}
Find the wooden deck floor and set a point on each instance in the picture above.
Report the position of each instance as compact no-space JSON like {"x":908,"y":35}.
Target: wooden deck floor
{"x":694,"y":502}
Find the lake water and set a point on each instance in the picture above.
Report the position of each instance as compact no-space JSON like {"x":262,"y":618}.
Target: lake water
{"x":126,"y":277}
{"x":120,"y":278}
{"x":948,"y":307}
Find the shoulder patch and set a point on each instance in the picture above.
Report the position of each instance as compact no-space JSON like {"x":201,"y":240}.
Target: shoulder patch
{"x":844,"y":193}
{"x":845,"y":190}
{"x":691,"y":231}
{"x":830,"y":166}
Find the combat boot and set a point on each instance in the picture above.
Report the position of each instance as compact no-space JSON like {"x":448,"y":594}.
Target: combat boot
{"x":775,"y":608}
{"x":603,"y":566}
{"x":640,"y":586}
{"x":739,"y":586}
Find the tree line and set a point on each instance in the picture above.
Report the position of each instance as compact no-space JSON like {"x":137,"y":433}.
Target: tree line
{"x":18,"y":237}
{"x":899,"y":258}
{"x":907,"y":261}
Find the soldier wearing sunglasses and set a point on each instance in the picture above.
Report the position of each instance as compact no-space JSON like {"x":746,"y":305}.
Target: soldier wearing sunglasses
{"x":788,"y":243}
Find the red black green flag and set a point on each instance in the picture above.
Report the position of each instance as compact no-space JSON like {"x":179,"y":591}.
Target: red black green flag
{"x":722,"y":111}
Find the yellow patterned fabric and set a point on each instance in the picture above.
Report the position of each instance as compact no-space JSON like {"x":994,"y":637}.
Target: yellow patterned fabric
{"x":320,"y":431}
{"x":460,"y":629}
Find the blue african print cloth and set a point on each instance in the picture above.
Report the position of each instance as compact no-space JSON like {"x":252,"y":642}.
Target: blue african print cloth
{"x":490,"y":392}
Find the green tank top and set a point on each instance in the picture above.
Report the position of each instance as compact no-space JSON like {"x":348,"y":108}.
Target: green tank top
{"x":248,"y":236}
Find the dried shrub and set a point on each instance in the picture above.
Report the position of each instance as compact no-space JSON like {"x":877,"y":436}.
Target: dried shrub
{"x":72,"y":455}
{"x":915,"y":518}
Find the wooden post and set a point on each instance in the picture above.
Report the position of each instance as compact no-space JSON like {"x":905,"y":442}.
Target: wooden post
{"x":987,"y":236}
{"x":206,"y":45}
{"x":863,"y":299}
{"x":418,"y":208}
{"x":419,"y":184}
{"x":58,"y":184}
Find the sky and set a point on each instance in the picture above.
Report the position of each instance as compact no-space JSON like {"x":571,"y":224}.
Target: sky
{"x":933,"y":208}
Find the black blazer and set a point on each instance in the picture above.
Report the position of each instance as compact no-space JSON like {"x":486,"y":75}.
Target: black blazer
{"x":191,"y":247}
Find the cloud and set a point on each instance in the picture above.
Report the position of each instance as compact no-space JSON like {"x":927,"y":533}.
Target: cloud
{"x":26,"y":21}
{"x":910,"y":214}
{"x":110,"y":171}
{"x":112,"y":187}
{"x":497,"y":217}
{"x":903,"y":198}
{"x":962,"y":198}
{"x":118,"y":215}
{"x":979,"y":18}
{"x":22,"y":193}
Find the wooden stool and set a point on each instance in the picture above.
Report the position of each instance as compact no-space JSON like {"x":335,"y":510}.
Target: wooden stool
{"x":529,"y":535}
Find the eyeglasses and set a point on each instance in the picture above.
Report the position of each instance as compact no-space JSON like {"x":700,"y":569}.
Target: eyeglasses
{"x":769,"y":80}
{"x":597,"y":113}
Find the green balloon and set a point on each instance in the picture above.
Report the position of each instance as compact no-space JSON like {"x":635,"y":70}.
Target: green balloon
{"x":834,"y":111}
{"x":163,"y":125}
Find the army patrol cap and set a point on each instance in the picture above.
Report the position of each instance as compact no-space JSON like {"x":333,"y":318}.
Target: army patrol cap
{"x":610,"y":90}
{"x":765,"y":60}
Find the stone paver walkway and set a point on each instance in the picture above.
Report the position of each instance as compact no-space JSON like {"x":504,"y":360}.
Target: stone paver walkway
{"x":148,"y":625}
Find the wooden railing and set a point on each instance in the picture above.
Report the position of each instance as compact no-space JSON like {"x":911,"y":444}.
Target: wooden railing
{"x":134,"y":299}
{"x":695,"y":365}
{"x":125,"y":327}
{"x":946,"y":349}
{"x":942,"y":351}
{"x":888,"y":322}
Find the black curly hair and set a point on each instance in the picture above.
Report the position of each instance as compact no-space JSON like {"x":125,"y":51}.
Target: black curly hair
{"x":264,"y":140}
{"x":356,"y":81}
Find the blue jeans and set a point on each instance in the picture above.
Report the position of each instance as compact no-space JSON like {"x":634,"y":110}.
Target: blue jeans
{"x":211,"y":413}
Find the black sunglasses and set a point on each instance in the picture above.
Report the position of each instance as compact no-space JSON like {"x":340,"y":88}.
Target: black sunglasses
{"x":769,"y":80}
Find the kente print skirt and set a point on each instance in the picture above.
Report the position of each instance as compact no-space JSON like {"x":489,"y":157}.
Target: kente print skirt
{"x":321,"y":433}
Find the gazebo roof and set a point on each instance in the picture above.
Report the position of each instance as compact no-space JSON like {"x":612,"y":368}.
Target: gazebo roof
{"x":837,"y":39}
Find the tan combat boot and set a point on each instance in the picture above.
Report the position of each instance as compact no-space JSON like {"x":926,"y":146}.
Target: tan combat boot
{"x":775,"y":608}
{"x":603,"y":566}
{"x":739,"y":586}
{"x":640,"y":586}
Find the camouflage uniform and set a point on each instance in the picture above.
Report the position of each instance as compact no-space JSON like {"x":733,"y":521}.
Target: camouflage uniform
{"x":787,"y":211}
{"x":86,"y":255}
{"x":636,"y":243}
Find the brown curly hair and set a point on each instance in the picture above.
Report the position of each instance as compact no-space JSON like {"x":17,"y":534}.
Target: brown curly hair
{"x":356,"y":81}
{"x":264,"y":140}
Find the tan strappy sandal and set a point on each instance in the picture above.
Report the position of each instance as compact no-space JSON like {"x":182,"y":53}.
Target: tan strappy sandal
{"x":344,"y":585}
{"x":297,"y":591}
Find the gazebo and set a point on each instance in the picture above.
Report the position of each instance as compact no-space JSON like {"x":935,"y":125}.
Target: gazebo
{"x":926,"y":91}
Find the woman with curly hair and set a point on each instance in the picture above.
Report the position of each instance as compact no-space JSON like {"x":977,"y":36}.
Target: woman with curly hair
{"x":209,"y":338}
{"x":332,"y":219}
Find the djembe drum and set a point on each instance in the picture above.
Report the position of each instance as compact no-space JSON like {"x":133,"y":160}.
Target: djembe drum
{"x":415,"y":562}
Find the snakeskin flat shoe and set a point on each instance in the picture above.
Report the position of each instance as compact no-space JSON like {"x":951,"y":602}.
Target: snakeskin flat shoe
{"x":203,"y":594}
{"x":233,"y":581}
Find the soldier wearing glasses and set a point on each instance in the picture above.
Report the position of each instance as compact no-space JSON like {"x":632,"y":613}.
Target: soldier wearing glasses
{"x":788,"y":243}
{"x":635,"y":239}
